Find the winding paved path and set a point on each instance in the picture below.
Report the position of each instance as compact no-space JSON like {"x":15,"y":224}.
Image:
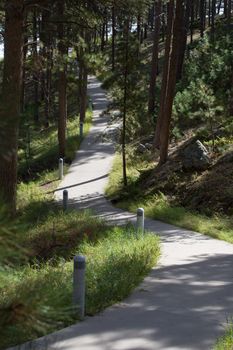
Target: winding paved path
{"x":183,"y":304}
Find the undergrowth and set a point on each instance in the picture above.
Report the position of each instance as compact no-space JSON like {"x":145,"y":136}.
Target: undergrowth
{"x":37,"y":299}
{"x":41,"y":152}
{"x":37,"y":250}
{"x":158,"y":206}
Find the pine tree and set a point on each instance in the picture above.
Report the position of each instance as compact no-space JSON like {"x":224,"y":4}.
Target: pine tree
{"x":10,"y":101}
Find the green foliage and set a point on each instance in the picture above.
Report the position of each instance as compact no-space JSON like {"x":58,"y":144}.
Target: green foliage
{"x":43,"y":147}
{"x":225,"y":342}
{"x":203,"y":95}
{"x":61,"y":233}
{"x":116,"y":265}
{"x":37,"y":300}
{"x":159,"y":206}
{"x":137,"y":122}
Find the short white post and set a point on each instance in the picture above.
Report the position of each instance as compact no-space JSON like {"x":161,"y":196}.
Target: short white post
{"x":140,"y":220}
{"x":81,"y":130}
{"x":65,"y":199}
{"x":61,"y":165}
{"x":79,"y":285}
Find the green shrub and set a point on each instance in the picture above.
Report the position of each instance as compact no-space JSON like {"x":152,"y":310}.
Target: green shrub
{"x":61,"y":233}
{"x":225,"y":342}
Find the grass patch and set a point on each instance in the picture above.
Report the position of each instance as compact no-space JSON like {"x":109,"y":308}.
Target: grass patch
{"x":44,"y":148}
{"x":225,"y":342}
{"x":37,"y":300}
{"x":36,"y":257}
{"x":158,"y":207}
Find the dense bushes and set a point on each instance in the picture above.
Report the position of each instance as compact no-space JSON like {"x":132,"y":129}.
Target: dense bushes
{"x":204,"y":93}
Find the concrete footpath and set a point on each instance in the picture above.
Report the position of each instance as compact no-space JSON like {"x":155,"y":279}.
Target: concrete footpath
{"x":184,"y":303}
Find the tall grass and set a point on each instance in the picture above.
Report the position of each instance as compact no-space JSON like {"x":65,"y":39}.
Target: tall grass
{"x":36,"y":271}
{"x":158,"y":206}
{"x":44,"y":148}
{"x":38,"y":299}
{"x":226,"y":341}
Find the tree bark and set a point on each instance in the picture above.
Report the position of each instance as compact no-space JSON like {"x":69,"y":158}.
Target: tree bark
{"x":113,"y":37}
{"x":155,"y":58}
{"x":202,"y":17}
{"x":10,"y":102}
{"x":229,"y":6}
{"x":191,"y":22}
{"x":166,"y":69}
{"x":139,"y":28}
{"x":62,"y":84}
{"x":35,"y":74}
{"x":213,"y":13}
{"x":126,"y":35}
{"x":171,"y":83}
{"x":25,"y":51}
{"x":225,"y":8}
{"x":185,"y":29}
{"x":82,"y":88}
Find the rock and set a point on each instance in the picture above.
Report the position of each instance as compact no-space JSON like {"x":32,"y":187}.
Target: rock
{"x":112,"y":134}
{"x":148,"y":146}
{"x":141,"y":148}
{"x":116,"y":114}
{"x":195,"y":156}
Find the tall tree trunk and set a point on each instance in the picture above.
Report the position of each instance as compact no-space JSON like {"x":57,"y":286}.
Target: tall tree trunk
{"x":225,"y":8}
{"x":185,"y":29}
{"x":25,"y":50}
{"x":62,"y":84}
{"x":145,"y":31}
{"x":82,"y":87}
{"x":103,"y":36}
{"x":139,"y":28}
{"x":219,"y":6}
{"x":45,"y":37}
{"x":171,"y":84}
{"x":202,"y":17}
{"x":166,"y":69}
{"x":49,"y":55}
{"x":229,"y":8}
{"x":213,"y":18}
{"x":164,"y":10}
{"x":209,"y":13}
{"x":151,"y":16}
{"x":126,"y":35}
{"x":10,"y":102}
{"x":113,"y":37}
{"x":35,"y":74}
{"x":192,"y":22}
{"x":155,"y":58}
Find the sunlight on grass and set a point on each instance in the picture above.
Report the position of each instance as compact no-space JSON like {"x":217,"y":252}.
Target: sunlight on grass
{"x":158,"y":207}
{"x":44,"y":148}
{"x":37,"y":300}
{"x":225,"y":342}
{"x":36,"y":272}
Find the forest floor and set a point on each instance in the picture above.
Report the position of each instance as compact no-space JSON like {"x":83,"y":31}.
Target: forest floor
{"x":183,"y":304}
